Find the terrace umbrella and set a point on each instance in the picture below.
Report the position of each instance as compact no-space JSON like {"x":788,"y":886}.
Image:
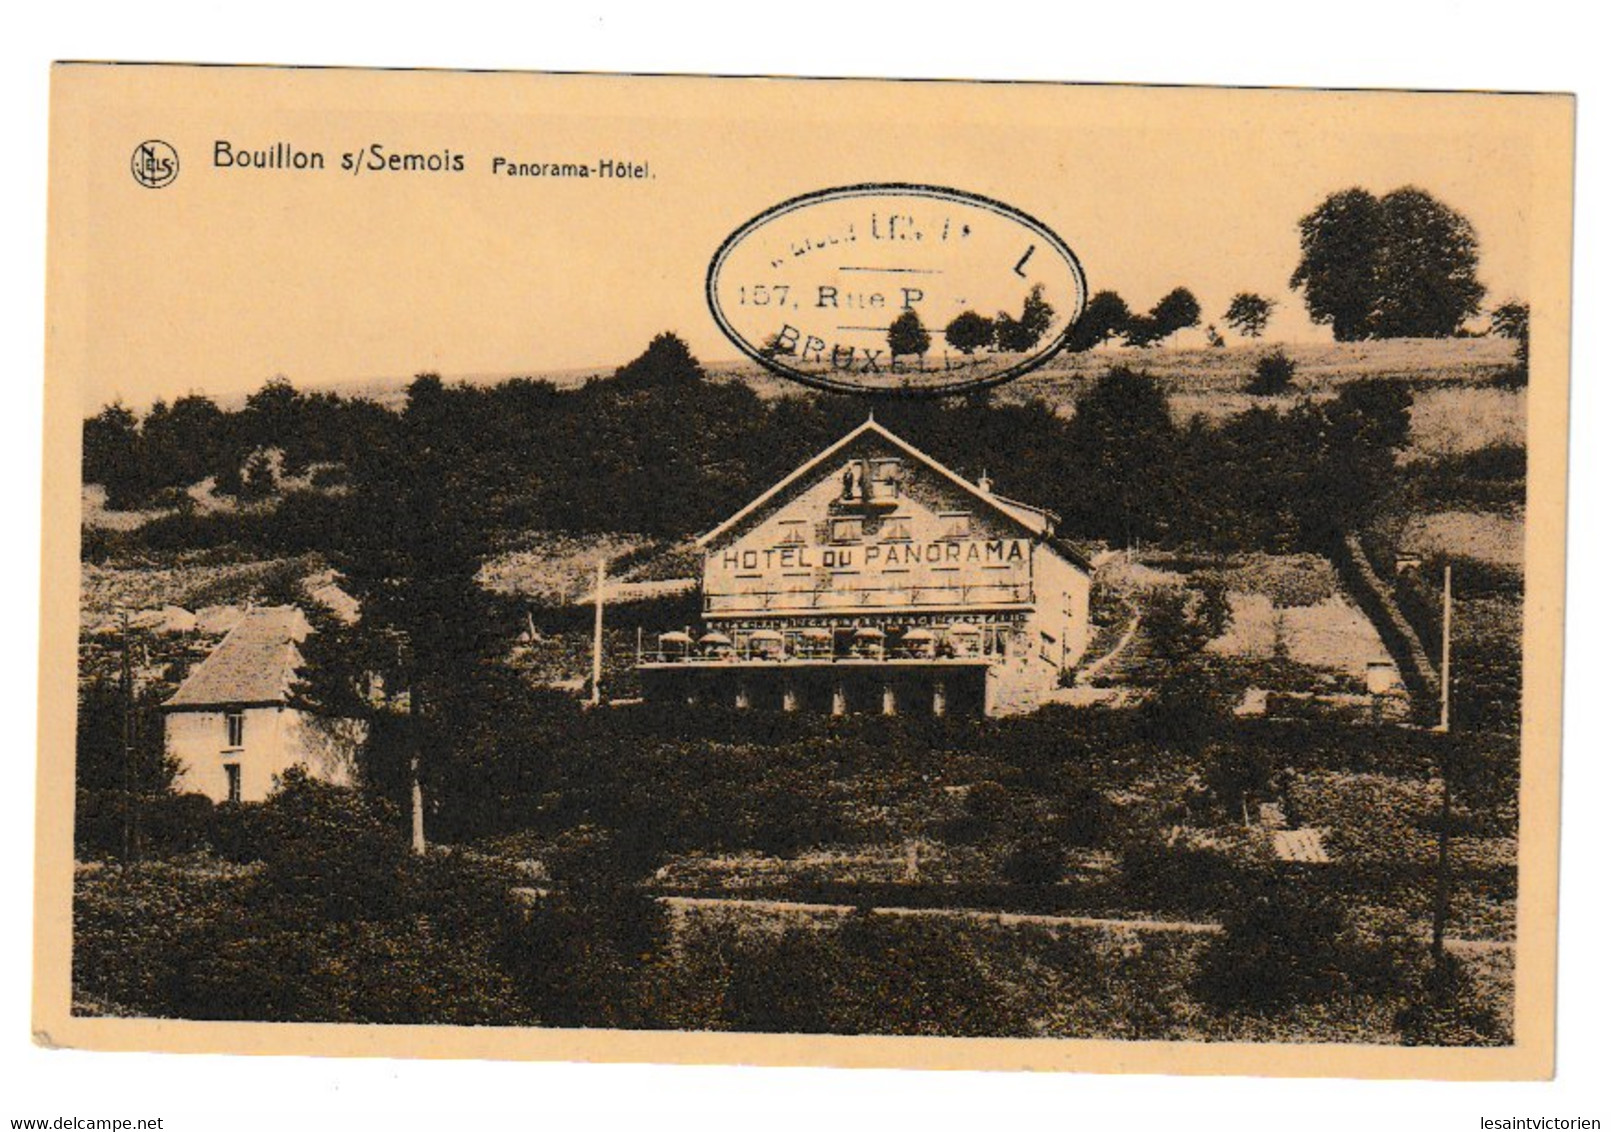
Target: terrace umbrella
{"x":868,"y":637}
{"x":918,"y":642}
{"x":676,"y":639}
{"x":816,"y":634}
{"x":765,"y":636}
{"x":715,"y":639}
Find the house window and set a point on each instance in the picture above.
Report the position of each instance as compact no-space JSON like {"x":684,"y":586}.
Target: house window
{"x":232,"y":772}
{"x":846,"y":530}
{"x":792,"y":532}
{"x":234,"y":729}
{"x":956,"y":524}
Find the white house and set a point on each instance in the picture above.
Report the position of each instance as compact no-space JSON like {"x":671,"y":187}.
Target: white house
{"x":233,"y":726}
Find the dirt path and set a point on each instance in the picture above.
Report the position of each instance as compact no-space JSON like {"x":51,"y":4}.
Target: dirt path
{"x":790,"y":907}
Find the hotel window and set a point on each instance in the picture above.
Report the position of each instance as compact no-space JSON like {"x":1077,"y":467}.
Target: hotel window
{"x":234,"y":729}
{"x":897,"y":528}
{"x":956,"y":524}
{"x":232,"y":772}
{"x":846,"y":530}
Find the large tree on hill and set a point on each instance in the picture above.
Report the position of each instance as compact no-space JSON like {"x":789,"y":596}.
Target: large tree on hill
{"x":1175,"y":311}
{"x":1022,"y":334}
{"x":1512,"y":320}
{"x":969,"y":331}
{"x":1106,"y":316}
{"x":1400,"y":266}
{"x":1249,"y":313}
{"x":907,"y":335}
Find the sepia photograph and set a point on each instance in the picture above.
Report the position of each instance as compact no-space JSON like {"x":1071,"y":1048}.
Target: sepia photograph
{"x":565,"y":561}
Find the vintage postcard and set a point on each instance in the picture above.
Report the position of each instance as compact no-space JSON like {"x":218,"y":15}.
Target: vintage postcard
{"x":787,"y":571}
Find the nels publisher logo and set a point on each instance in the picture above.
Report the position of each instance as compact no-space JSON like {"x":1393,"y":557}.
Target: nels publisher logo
{"x":154,"y":164}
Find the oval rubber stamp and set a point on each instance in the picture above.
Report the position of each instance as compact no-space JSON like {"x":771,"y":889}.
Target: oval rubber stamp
{"x":896,"y":289}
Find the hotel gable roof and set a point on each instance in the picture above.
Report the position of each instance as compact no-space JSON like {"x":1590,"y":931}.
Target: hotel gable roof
{"x":1037,"y":523}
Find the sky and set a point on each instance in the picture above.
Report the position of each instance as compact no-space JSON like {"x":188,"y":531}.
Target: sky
{"x":230,"y":276}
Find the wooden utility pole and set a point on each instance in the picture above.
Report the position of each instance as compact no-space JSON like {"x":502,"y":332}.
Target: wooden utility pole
{"x":416,"y":791}
{"x":126,"y":690}
{"x":1448,"y":620}
{"x":598,"y":637}
{"x":1440,"y":909}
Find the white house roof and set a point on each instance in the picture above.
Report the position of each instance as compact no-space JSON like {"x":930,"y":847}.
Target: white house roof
{"x":256,"y":663}
{"x":1034,"y":520}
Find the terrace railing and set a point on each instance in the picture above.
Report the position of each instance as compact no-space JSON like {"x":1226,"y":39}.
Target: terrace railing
{"x":871,"y":597}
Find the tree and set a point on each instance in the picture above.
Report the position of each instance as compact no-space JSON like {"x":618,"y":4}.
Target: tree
{"x":667,"y":363}
{"x":1340,"y":243}
{"x":1403,"y":265}
{"x":1120,"y":439}
{"x":112,"y":453}
{"x":1428,"y":273}
{"x":273,"y":419}
{"x":1105,"y":317}
{"x":258,"y":478}
{"x":1180,"y":623}
{"x":184,"y":443}
{"x":907,"y":335}
{"x":1175,"y":311}
{"x":1249,"y":313}
{"x":1037,"y":316}
{"x":1021,"y":334}
{"x":411,"y":555}
{"x":1510,"y":320}
{"x":969,"y":331}
{"x":1513,"y":320}
{"x":1362,"y":431}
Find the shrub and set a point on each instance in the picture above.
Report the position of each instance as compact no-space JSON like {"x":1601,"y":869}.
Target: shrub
{"x":159,"y":825}
{"x":1038,"y":859}
{"x":1272,"y":375}
{"x":237,"y":832}
{"x":872,"y":975}
{"x":329,"y":847}
{"x":1239,"y":776}
{"x":1280,"y":946}
{"x":1287,"y":942}
{"x":177,"y":823}
{"x":1186,"y":710}
{"x":582,"y":956}
{"x":1086,"y":816}
{"x":1446,"y":1011}
{"x":1176,"y":877}
{"x":988,"y":802}
{"x":249,"y":960}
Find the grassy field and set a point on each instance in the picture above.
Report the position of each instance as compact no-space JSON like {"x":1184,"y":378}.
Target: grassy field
{"x":1457,"y":408}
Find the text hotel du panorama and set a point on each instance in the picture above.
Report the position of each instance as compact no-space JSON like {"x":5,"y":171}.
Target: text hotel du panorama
{"x":381,"y":159}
